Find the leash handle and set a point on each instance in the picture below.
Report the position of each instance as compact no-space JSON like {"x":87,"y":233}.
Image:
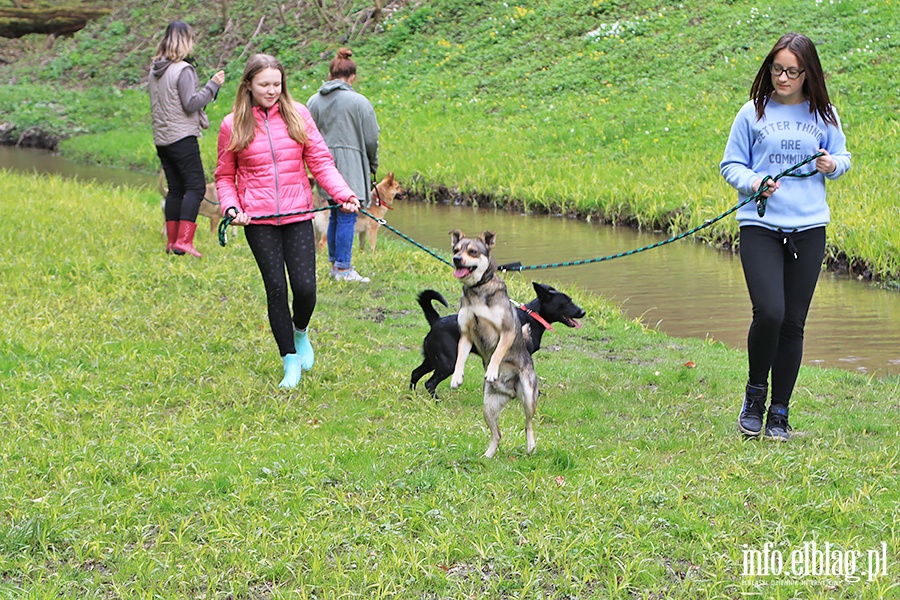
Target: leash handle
{"x":227,"y":219}
{"x":513,"y":266}
{"x":760,"y":199}
{"x":223,"y":229}
{"x":763,"y":185}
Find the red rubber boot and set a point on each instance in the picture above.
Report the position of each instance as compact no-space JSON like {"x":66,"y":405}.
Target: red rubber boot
{"x":171,"y":235}
{"x":185,"y":243}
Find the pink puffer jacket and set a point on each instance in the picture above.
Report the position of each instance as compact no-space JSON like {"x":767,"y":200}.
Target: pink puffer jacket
{"x":268,"y":177}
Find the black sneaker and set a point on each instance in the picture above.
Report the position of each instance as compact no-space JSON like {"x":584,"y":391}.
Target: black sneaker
{"x":777,"y":426}
{"x":750,"y":420}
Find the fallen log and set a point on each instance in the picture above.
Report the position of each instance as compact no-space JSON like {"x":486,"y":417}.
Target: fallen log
{"x":16,"y":22}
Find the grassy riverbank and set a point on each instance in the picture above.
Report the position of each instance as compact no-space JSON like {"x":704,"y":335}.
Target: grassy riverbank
{"x":148,"y":453}
{"x":617,"y":111}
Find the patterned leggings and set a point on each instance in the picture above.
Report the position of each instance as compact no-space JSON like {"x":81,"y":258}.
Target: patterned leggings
{"x":293,"y":246}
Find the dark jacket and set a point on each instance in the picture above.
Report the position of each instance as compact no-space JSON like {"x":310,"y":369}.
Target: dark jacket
{"x":347,"y":121}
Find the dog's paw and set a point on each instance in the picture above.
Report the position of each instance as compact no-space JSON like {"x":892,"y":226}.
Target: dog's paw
{"x":491,"y":374}
{"x":456,"y":381}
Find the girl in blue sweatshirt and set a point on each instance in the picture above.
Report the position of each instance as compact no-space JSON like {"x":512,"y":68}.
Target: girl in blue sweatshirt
{"x":788,"y":119}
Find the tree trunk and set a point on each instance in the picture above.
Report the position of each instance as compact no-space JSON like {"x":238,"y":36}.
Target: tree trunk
{"x":16,"y":22}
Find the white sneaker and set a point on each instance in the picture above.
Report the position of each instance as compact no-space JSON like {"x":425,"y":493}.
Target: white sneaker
{"x":350,"y":275}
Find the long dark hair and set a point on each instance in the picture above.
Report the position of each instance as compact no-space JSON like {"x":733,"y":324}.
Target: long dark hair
{"x":814,"y":89}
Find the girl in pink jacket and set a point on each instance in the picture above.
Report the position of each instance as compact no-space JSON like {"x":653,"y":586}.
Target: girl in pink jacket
{"x":265,"y":146}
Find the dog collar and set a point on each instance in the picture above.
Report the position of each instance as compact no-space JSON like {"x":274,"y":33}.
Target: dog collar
{"x":484,"y":279}
{"x":379,"y":201}
{"x":536,"y":316}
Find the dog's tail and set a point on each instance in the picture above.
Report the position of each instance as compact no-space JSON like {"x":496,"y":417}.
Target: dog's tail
{"x":161,"y":184}
{"x":425,"y":299}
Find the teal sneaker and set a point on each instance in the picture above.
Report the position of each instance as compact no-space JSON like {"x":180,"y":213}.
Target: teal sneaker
{"x":292,"y":371}
{"x":304,"y":349}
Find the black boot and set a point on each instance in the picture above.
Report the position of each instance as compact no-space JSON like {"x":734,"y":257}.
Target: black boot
{"x":750,"y":420}
{"x":777,"y":426}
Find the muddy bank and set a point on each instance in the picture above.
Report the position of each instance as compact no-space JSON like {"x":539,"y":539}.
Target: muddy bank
{"x":420,"y":190}
{"x":29,"y":137}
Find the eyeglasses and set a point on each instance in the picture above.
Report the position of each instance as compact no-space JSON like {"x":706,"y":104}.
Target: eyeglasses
{"x":792,"y":72}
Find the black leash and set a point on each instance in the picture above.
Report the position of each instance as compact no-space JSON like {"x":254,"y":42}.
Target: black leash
{"x":227,"y":219}
{"x":407,"y":238}
{"x":756,"y":197}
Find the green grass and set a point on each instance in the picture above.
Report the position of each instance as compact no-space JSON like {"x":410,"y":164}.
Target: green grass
{"x":147,"y":452}
{"x":616,"y":110}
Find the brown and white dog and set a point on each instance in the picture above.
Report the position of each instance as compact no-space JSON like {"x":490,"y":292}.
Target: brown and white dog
{"x":488,"y":322}
{"x":387,"y":190}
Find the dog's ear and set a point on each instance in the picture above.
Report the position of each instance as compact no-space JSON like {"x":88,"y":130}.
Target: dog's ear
{"x":542,"y":290}
{"x":390,"y":177}
{"x":489,"y":238}
{"x":456,"y":235}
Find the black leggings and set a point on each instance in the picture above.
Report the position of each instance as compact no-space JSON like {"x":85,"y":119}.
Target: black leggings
{"x":184,"y":174}
{"x":781,"y":270}
{"x":294,"y":246}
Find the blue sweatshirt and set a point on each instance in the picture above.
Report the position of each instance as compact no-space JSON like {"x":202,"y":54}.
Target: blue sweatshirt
{"x":785,"y":136}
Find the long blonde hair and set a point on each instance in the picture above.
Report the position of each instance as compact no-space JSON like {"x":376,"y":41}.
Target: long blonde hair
{"x":244,"y":125}
{"x":177,"y":43}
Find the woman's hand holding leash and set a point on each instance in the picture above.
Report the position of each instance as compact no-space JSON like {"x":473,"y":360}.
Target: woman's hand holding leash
{"x":351,"y":205}
{"x":238,"y":218}
{"x":825,"y":164}
{"x":767,"y":191}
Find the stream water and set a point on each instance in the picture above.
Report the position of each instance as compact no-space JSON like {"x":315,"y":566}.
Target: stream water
{"x":686,"y":289}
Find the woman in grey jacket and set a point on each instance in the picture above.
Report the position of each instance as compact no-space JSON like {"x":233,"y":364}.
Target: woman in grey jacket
{"x":347,"y":121}
{"x":176,"y":107}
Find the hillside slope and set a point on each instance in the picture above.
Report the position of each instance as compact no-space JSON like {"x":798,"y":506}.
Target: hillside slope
{"x":604,"y":108}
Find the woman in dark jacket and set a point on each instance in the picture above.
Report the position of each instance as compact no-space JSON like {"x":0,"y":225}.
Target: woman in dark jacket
{"x":347,"y":121}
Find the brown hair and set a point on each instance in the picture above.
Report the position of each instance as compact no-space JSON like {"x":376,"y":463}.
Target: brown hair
{"x":244,"y":125}
{"x":814,"y":89}
{"x":342,"y":66}
{"x":177,"y":43}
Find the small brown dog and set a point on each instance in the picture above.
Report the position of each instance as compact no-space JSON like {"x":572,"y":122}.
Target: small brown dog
{"x":488,"y":323}
{"x":209,"y":206}
{"x":387,"y":190}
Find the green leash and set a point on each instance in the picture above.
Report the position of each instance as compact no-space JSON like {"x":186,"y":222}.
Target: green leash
{"x":226,"y":221}
{"x":517,"y":266}
{"x":407,"y":238}
{"x":756,"y":197}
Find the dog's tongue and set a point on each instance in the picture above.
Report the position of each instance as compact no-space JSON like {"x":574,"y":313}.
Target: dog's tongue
{"x":575,"y":323}
{"x":460,"y":273}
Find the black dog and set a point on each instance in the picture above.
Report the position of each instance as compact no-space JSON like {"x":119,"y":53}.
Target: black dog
{"x":440,"y":345}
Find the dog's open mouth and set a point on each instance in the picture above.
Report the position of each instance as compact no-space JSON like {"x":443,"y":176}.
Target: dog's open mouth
{"x":462,"y":272}
{"x":571,"y":323}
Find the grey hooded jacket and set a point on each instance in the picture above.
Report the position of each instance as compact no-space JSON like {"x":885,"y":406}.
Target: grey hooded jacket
{"x":347,"y":121}
{"x":176,"y":105}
